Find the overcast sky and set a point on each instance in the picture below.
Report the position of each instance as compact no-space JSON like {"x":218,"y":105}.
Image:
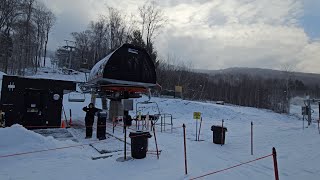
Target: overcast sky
{"x":215,"y":34}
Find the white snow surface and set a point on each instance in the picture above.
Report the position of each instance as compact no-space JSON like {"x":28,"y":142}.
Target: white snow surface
{"x":297,"y":148}
{"x":298,"y":153}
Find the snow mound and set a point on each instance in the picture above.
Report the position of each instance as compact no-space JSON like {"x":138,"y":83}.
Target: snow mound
{"x":16,"y":139}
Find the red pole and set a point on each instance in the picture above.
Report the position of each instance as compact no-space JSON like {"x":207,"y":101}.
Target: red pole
{"x":65,"y":115}
{"x":251,"y":138}
{"x":222,"y":133}
{"x":185,"y":149}
{"x":275,"y":163}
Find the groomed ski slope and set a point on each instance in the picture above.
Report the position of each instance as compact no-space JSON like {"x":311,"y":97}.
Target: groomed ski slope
{"x":298,"y":148}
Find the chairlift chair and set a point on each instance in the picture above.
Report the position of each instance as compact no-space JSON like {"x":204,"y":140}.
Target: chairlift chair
{"x":154,"y":118}
{"x":76,"y":97}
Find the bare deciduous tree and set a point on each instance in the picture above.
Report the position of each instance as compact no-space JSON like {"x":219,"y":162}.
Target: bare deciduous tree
{"x":152,"y":21}
{"x":49,"y":20}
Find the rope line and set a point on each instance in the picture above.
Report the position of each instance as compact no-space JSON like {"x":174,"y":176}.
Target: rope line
{"x":52,"y":149}
{"x":214,"y":172}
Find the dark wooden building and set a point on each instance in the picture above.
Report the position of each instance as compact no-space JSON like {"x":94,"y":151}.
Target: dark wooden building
{"x":33,"y":103}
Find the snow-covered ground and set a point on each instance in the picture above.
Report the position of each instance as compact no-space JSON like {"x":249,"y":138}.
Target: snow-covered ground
{"x":298,"y":148}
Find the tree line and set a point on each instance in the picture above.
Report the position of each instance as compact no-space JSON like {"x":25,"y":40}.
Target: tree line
{"x":111,"y":31}
{"x":24,"y":32}
{"x":238,"y":89}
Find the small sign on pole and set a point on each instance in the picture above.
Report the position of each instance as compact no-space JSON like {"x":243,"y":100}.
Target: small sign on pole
{"x":197,"y":116}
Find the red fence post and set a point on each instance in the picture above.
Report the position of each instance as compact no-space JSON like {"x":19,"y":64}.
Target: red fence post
{"x":251,"y":138}
{"x":275,"y":163}
{"x":185,"y":149}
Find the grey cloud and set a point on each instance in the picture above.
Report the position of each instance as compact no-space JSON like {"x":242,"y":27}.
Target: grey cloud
{"x":212,"y":34}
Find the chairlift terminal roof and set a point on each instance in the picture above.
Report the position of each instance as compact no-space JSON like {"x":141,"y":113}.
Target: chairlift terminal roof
{"x":127,"y":65}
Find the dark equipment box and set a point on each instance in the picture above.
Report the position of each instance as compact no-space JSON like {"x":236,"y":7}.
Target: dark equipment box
{"x":33,"y":103}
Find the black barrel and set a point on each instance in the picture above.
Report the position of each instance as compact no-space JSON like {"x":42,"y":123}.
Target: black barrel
{"x":101,"y":125}
{"x":139,"y":144}
{"x":218,"y":131}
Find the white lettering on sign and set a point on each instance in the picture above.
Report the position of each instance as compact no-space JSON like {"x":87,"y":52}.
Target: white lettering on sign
{"x":11,"y":86}
{"x":133,"y":51}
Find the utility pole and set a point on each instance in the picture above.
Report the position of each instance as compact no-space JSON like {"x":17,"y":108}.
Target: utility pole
{"x":70,"y":51}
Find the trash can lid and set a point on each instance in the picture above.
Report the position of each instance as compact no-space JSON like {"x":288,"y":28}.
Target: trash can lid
{"x":218,"y":127}
{"x":102,"y":114}
{"x":140,"y":133}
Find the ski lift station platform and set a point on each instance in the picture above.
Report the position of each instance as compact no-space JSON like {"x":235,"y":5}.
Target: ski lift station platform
{"x":33,"y":103}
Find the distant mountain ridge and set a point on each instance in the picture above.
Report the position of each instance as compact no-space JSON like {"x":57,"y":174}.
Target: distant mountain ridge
{"x":306,"y":78}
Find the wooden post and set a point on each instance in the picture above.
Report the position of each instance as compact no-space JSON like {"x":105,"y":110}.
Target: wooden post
{"x":251,"y":138}
{"x":222,"y":133}
{"x":155,"y":138}
{"x":199,"y":129}
{"x":185,"y":149}
{"x":275,"y":163}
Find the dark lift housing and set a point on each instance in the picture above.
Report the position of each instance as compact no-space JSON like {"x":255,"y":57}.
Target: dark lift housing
{"x":33,"y":103}
{"x":128,"y":65}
